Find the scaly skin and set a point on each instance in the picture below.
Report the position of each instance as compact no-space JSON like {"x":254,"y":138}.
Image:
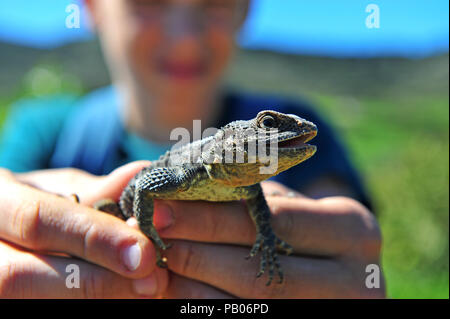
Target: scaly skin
{"x":208,"y":175}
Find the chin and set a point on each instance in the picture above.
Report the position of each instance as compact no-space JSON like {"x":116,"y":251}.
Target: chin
{"x":182,"y":105}
{"x":179,"y":99}
{"x":186,"y":92}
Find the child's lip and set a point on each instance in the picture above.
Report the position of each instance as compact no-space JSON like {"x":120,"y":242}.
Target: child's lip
{"x":183,"y":70}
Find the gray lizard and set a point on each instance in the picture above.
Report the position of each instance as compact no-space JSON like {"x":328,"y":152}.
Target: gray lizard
{"x":223,"y":167}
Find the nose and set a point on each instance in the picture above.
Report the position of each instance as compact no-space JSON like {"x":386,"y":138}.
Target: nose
{"x":183,"y":23}
{"x":184,"y":27}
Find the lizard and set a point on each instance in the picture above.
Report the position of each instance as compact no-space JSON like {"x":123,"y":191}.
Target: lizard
{"x":201,"y":170}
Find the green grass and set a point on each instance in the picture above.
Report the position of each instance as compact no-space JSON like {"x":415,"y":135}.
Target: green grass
{"x":401,"y":146}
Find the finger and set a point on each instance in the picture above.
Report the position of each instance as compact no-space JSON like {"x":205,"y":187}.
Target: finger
{"x":44,"y":222}
{"x":328,"y":227}
{"x":226,"y":268}
{"x":61,"y":181}
{"x":271,"y":188}
{"x":182,"y":288}
{"x":89,"y":188}
{"x":112,"y":185}
{"x":28,"y":275}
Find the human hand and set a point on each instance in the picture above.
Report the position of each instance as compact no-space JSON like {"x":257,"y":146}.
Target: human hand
{"x":334,"y":239}
{"x":42,"y":233}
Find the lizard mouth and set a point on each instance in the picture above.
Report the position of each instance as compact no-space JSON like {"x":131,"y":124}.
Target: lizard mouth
{"x":298,"y":142}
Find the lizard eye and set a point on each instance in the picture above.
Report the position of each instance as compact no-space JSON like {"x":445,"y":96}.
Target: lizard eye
{"x":268,"y":121}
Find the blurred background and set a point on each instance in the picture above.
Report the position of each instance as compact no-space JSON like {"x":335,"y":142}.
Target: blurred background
{"x":384,"y":89}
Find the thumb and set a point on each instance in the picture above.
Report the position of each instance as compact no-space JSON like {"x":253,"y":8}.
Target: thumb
{"x":112,"y":185}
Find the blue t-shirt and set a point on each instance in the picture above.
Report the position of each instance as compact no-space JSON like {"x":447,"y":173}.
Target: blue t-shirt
{"x":87,"y":133}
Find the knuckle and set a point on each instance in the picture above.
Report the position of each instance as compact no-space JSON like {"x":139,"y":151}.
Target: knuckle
{"x":26,"y":222}
{"x":11,"y":280}
{"x":286,"y":224}
{"x":215,"y":223}
{"x":364,"y":232}
{"x":6,"y":280}
{"x":372,"y":240}
{"x":284,"y":221}
{"x":190,"y":260}
{"x":94,"y":286}
{"x":88,"y":237}
{"x":351,"y":206}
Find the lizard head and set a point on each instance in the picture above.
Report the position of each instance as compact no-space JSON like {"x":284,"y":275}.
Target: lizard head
{"x":254,"y":150}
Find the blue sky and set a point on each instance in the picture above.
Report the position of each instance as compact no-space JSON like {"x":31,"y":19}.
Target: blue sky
{"x":411,"y":28}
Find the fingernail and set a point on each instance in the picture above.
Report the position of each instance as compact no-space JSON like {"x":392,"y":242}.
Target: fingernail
{"x":163,"y":216}
{"x":131,"y":256}
{"x":146,"y":286}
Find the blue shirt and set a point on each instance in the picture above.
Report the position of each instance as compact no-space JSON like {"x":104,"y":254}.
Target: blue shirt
{"x":87,"y":133}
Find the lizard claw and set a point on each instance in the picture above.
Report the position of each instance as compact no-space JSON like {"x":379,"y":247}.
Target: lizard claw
{"x":269,"y":257}
{"x":282,"y":245}
{"x":161,"y":264}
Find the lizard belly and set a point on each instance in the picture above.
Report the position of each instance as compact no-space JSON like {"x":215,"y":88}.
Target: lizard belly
{"x":206,"y":190}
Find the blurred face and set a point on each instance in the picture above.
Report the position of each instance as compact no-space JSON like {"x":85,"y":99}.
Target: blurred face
{"x":168,"y":54}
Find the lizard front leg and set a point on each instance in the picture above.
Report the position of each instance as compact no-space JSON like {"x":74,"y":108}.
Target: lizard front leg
{"x":266,"y":241}
{"x":123,"y":209}
{"x":162,"y":183}
{"x":140,"y":206}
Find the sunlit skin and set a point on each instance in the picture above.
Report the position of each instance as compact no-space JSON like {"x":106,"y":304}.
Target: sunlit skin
{"x":167,"y":58}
